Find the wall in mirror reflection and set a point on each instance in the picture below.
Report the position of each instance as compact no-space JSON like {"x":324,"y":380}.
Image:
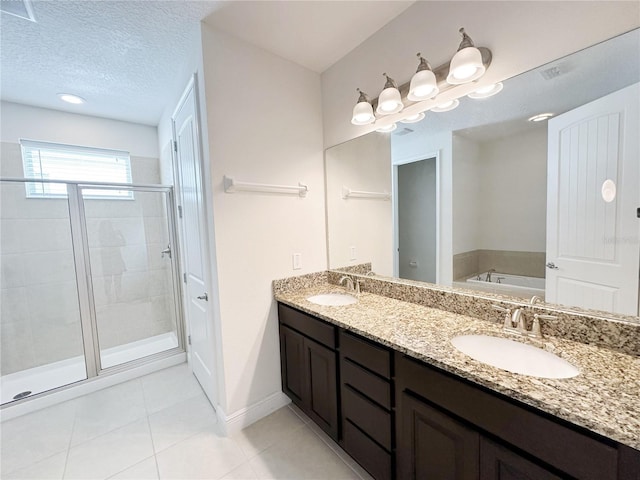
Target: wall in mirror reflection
{"x":480,"y":220}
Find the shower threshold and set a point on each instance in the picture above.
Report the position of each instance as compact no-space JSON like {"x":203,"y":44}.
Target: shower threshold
{"x":64,"y":372}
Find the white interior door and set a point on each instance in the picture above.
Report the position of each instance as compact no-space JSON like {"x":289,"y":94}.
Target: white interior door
{"x":198,"y":298}
{"x":593,"y":246}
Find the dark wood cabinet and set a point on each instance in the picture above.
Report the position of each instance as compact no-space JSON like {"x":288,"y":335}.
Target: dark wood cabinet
{"x":309,"y":371}
{"x":500,"y":463}
{"x":367,"y":407}
{"x":401,"y":418}
{"x":294,"y":378}
{"x":322,"y":402}
{"x":433,"y":445}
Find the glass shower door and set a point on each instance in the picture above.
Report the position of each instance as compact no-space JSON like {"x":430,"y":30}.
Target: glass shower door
{"x":132,"y":273}
{"x":41,"y":340}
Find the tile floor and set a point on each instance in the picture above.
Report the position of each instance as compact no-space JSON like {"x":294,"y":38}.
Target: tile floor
{"x":161,"y":426}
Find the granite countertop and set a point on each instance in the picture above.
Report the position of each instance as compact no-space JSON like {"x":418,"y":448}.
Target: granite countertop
{"x":604,"y":398}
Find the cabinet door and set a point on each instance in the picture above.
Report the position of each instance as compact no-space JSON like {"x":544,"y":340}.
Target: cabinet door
{"x":322,"y":406}
{"x":500,"y":463}
{"x":431,"y":445}
{"x":292,"y":360}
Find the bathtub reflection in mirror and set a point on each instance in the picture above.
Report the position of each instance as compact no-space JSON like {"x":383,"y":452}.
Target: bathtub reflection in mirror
{"x":483,"y":199}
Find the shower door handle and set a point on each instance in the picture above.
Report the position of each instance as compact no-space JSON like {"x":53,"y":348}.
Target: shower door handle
{"x":204,"y":297}
{"x":166,"y":251}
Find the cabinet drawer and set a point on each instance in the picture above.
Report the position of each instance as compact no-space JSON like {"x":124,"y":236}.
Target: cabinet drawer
{"x":367,"y":453}
{"x":368,"y":416}
{"x":374,"y":387}
{"x":369,"y":355}
{"x":315,"y":329}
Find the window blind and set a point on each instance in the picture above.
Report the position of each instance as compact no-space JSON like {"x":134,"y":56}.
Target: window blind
{"x":53,"y":161}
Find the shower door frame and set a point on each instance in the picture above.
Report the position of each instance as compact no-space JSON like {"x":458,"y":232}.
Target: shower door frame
{"x":84,"y":282}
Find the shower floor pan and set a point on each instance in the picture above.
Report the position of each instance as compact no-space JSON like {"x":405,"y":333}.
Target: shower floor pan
{"x":47,"y":377}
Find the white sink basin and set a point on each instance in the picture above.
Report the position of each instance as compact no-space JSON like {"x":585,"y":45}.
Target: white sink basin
{"x":514,"y":357}
{"x":333,"y":299}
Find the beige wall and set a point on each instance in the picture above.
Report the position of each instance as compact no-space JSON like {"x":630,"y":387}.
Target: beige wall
{"x":263,"y":124}
{"x":364,"y":223}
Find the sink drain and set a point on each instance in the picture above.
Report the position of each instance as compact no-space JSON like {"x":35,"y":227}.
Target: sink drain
{"x":22,"y":395}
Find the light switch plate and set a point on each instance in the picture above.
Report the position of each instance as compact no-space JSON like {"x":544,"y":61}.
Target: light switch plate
{"x":352,"y":253}
{"x":297,"y":261}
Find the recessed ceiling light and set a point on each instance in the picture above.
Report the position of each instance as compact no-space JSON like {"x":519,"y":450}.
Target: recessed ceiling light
{"x":487,"y":91}
{"x":541,"y":117}
{"x":69,"y":98}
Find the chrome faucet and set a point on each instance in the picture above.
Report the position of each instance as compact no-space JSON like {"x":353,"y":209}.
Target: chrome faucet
{"x":488,"y":278}
{"x":535,"y":299}
{"x":513,"y":320}
{"x":350,"y":287}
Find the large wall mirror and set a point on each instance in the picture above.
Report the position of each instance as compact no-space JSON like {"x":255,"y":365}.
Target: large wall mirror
{"x":483,"y":198}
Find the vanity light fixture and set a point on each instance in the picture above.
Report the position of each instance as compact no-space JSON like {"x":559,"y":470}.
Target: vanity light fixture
{"x":541,"y":117}
{"x":70,"y":98}
{"x":422,"y":91}
{"x":487,"y":91}
{"x":390,"y":100}
{"x":363,"y":111}
{"x":387,"y":129}
{"x":446,"y":106}
{"x":413,"y":118}
{"x":466,"y":65}
{"x":423,"y":83}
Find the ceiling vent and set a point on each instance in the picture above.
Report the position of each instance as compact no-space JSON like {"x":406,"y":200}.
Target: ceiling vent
{"x":18,"y":8}
{"x":551,"y":73}
{"x":404,"y":131}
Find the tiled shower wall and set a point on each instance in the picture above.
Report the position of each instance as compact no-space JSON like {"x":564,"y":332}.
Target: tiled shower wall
{"x":39,"y":315}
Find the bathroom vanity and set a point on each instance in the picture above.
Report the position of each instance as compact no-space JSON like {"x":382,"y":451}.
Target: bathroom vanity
{"x":382,"y":378}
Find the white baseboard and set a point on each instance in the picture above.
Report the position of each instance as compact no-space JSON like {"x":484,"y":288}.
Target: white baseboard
{"x":230,"y":424}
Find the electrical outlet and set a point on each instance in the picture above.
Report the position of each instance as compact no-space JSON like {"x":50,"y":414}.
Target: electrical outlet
{"x":352,"y":253}
{"x":297,"y":261}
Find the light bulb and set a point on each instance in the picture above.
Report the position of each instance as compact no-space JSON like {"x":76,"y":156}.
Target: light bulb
{"x":488,"y":91}
{"x":423,"y":83}
{"x":466,"y":65}
{"x":446,"y":106}
{"x":413,"y":118}
{"x":388,"y":106}
{"x":389,"y":101}
{"x":387,"y":129}
{"x":363,"y":111}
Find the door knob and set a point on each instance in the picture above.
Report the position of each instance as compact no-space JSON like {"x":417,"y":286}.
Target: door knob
{"x":204,"y":297}
{"x":166,"y":251}
{"x":552,"y":266}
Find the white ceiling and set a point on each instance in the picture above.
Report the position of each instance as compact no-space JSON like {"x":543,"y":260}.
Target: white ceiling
{"x":314,"y":34}
{"x":121,"y":56}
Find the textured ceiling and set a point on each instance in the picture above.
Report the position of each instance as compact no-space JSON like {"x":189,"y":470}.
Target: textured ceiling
{"x":123,"y":57}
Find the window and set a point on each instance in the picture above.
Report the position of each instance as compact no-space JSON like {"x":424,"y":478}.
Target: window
{"x":53,"y":161}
